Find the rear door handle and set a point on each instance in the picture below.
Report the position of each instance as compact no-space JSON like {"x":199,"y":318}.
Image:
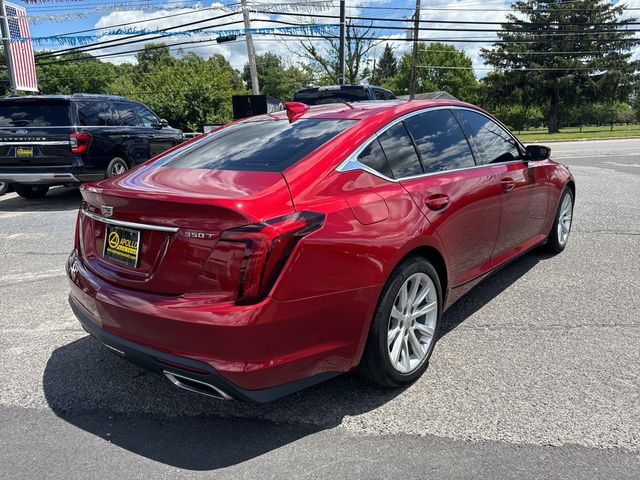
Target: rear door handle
{"x":152,"y":136}
{"x":508,"y":184}
{"x":439,"y":201}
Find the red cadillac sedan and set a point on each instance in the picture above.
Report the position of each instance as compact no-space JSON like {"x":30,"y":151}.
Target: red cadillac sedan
{"x":282,"y":250}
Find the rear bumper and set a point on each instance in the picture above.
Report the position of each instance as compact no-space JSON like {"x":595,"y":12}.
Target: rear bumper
{"x":261,"y":351}
{"x":39,"y":178}
{"x":188,"y":373}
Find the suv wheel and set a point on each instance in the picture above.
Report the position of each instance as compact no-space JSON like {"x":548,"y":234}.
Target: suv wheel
{"x":405,"y":326}
{"x":31,"y":192}
{"x":117,"y":166}
{"x":4,"y":186}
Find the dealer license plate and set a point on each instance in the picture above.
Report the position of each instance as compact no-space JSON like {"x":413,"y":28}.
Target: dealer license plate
{"x":122,"y":245}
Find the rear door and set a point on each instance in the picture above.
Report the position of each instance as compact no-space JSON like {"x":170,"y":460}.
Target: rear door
{"x":34,"y":134}
{"x":131,"y":134}
{"x":524,"y":193}
{"x":460,"y":200}
{"x":160,"y":139}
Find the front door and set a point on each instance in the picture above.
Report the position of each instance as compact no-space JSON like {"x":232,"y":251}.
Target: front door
{"x":524,"y":188}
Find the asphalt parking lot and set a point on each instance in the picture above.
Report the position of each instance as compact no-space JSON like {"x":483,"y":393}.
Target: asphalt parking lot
{"x":536,"y":376}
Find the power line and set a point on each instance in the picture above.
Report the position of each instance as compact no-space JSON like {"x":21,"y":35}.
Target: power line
{"x":100,"y":44}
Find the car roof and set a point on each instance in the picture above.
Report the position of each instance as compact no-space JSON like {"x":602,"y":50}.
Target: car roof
{"x":75,"y":96}
{"x":363,"y":110}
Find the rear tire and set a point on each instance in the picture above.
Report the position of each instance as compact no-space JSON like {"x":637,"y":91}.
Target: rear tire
{"x":117,"y":166}
{"x":4,"y":186}
{"x":400,"y":343}
{"x":31,"y":192}
{"x":559,"y":234}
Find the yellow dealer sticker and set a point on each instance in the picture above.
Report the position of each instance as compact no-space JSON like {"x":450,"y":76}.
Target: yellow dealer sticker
{"x":122,"y":245}
{"x":24,"y":152}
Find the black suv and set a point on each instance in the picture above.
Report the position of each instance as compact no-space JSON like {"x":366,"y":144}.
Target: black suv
{"x":66,"y":140}
{"x":342,"y":93}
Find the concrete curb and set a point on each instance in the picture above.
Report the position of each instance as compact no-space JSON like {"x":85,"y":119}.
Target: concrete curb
{"x":564,"y":140}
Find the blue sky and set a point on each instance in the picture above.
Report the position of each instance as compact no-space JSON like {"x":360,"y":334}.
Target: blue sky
{"x":486,"y":10}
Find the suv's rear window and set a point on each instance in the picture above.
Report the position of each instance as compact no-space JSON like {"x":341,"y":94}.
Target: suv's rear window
{"x":34,"y":114}
{"x":268,"y":146}
{"x":321,"y":97}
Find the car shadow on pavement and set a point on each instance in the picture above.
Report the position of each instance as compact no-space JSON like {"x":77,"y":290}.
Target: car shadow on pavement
{"x":58,"y":199}
{"x":95,"y":390}
{"x":490,"y":288}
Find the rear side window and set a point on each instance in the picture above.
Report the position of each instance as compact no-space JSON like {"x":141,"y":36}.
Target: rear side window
{"x":94,"y":114}
{"x":400,"y":152}
{"x":493,"y":141}
{"x":373,"y":157}
{"x":126,"y":115}
{"x":34,"y":114}
{"x":269,"y":146}
{"x":440,"y":141}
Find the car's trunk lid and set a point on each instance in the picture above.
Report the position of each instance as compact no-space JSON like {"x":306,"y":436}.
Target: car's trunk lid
{"x":179,"y":215}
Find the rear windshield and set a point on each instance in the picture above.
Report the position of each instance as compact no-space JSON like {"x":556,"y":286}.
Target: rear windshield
{"x":321,"y":97}
{"x":27,"y":114}
{"x":269,"y":146}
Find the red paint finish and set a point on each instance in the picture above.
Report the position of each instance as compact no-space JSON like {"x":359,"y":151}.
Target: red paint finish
{"x":272,"y":277}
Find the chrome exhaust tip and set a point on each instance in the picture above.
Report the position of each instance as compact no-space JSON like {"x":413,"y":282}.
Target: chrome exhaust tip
{"x":196,"y":386}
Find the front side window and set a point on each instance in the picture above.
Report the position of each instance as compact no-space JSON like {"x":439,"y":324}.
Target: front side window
{"x":379,"y":94}
{"x":440,"y":141}
{"x":127,"y":116}
{"x":493,"y":141}
{"x":147,"y":116}
{"x":94,"y":114}
{"x":400,"y":152}
{"x":373,"y":157}
{"x":325,"y":95}
{"x":270,"y":146}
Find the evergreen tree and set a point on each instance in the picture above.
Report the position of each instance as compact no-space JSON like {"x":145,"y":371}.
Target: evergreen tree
{"x":387,"y":66}
{"x":567,"y":52}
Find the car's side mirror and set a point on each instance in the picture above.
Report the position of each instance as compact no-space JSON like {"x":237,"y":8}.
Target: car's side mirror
{"x":536,"y":153}
{"x":162,"y":123}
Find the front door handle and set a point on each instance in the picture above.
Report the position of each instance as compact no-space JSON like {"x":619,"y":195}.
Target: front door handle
{"x":507,"y":184}
{"x":439,"y":201}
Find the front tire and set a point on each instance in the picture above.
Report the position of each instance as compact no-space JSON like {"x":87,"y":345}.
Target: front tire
{"x":117,"y":166}
{"x":559,"y":235}
{"x":405,"y":326}
{"x":4,"y":186}
{"x":31,"y":192}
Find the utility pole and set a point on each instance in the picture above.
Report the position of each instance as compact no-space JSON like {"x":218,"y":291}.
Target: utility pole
{"x":7,"y":50}
{"x":343,"y":35}
{"x":414,"y":53}
{"x":255,"y":87}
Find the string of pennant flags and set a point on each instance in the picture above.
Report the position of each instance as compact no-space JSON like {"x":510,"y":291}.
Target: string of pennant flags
{"x":74,"y":40}
{"x":308,"y":6}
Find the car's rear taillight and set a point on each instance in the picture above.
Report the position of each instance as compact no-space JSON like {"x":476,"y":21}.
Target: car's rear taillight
{"x":79,"y":142}
{"x":267,"y":246}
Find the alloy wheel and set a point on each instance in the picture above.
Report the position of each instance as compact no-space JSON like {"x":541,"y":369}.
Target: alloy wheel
{"x":412,"y":323}
{"x":117,"y":169}
{"x":564,"y":219}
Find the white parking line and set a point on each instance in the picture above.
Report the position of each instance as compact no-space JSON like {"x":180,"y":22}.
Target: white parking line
{"x":17,"y":278}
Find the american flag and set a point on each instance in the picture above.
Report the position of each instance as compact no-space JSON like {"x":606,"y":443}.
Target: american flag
{"x":24,"y":65}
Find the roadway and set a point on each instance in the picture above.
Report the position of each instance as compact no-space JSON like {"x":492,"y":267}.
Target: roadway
{"x":536,"y":376}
